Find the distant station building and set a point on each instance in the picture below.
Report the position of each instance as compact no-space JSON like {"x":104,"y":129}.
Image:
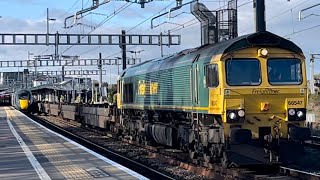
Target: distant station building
{"x":8,"y":78}
{"x":68,"y":91}
{"x":40,"y":81}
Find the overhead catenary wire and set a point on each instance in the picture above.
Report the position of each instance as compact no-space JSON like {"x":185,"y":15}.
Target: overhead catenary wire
{"x":103,"y":22}
{"x":66,"y":30}
{"x":303,"y":30}
{"x":65,"y":14}
{"x":175,"y":27}
{"x":280,"y":14}
{"x":191,"y":25}
{"x":273,"y":17}
{"x":74,"y":4}
{"x":134,"y":27}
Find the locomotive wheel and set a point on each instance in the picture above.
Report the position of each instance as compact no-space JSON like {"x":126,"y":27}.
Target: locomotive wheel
{"x":300,"y":133}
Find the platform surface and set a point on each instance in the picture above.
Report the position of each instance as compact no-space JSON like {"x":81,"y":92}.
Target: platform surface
{"x":31,"y":151}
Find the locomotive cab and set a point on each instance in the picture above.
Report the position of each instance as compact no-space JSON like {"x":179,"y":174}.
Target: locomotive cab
{"x":266,"y":94}
{"x":23,"y":100}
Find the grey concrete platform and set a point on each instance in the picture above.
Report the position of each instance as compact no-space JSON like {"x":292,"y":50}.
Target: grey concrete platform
{"x":30,"y":151}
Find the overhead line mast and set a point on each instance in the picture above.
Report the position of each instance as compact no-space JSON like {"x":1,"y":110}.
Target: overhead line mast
{"x":313,"y":57}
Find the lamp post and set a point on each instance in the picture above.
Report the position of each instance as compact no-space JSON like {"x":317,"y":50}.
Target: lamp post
{"x":86,"y":88}
{"x":25,"y":79}
{"x":29,"y":53}
{"x":312,"y":58}
{"x":135,"y":54}
{"x":19,"y":76}
{"x":118,"y":58}
{"x":48,"y":19}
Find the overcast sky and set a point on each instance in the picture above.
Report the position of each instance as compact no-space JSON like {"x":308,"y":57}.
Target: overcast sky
{"x":29,"y":16}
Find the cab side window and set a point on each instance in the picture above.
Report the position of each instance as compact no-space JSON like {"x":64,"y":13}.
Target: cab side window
{"x":212,"y":79}
{"x":128,"y":93}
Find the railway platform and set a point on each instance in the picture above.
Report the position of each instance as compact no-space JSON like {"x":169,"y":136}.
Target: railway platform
{"x":30,"y":151}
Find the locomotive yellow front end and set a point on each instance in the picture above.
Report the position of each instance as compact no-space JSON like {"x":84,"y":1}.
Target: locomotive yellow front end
{"x":265,"y":91}
{"x":24,"y":104}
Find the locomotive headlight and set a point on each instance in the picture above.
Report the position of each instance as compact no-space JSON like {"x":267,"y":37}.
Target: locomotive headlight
{"x":263,"y":52}
{"x":292,"y":112}
{"x":232,"y":116}
{"x":299,"y":114}
{"x":241,"y":113}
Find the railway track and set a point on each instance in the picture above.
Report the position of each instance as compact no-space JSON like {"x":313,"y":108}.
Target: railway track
{"x":294,"y":173}
{"x":315,"y":139}
{"x":153,"y":161}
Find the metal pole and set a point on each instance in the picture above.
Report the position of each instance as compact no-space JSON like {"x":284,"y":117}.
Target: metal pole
{"x":19,"y":76}
{"x":79,"y":89}
{"x":110,"y":73}
{"x":124,"y":50}
{"x":67,"y":98}
{"x":118,"y":67}
{"x":86,"y":87}
{"x":161,"y":46}
{"x":22,"y":78}
{"x":56,"y":49}
{"x":35,"y":68}
{"x":259,"y":7}
{"x":73,"y":99}
{"x":100,"y":76}
{"x":96,"y":89}
{"x":62,"y":75}
{"x":55,"y":95}
{"x":47,"y":37}
{"x":92,"y":91}
{"x":312,"y":75}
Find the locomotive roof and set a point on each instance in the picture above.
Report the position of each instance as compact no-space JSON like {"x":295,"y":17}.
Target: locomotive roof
{"x":186,"y":57}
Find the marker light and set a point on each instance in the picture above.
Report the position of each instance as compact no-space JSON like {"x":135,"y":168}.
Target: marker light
{"x":299,"y":114}
{"x":263,"y":52}
{"x":292,"y":112}
{"x":232,"y":115}
{"x":241,"y":113}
